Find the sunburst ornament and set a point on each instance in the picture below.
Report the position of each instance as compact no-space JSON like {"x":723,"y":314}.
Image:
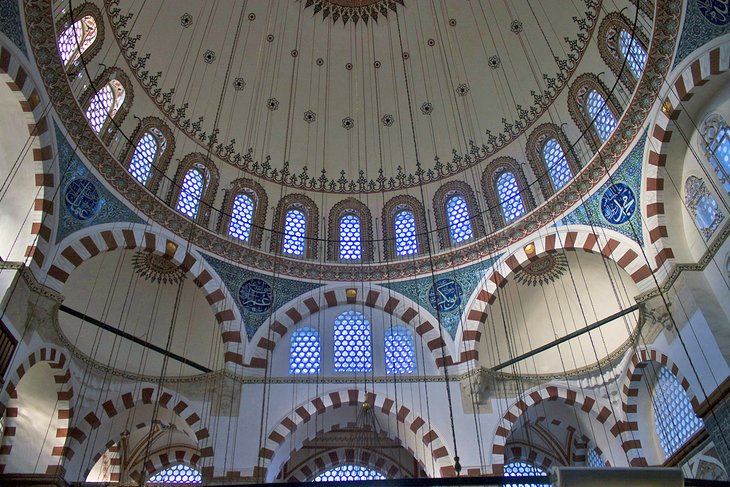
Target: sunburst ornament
{"x":353,"y":10}
{"x":155,"y":268}
{"x":543,"y":270}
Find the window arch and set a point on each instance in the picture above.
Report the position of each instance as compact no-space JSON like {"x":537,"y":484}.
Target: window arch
{"x":149,"y":154}
{"x":106,"y":102}
{"x":595,"y":113}
{"x":352,"y":343}
{"x":404,"y":227}
{"x":400,"y":352}
{"x":196,"y":183}
{"x":175,"y":475}
{"x":296,"y":227}
{"x":715,"y":141}
{"x":350,"y":231}
{"x":348,"y":473}
{"x":305,"y":351}
{"x":244,"y":211}
{"x":506,"y":191}
{"x":621,"y":41}
{"x":674,"y":417}
{"x":703,"y":206}
{"x":522,"y":469}
{"x":551,"y":158}
{"x":80,"y":36}
{"x":456,"y":214}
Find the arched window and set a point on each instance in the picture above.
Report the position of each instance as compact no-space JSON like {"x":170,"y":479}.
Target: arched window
{"x":76,"y":39}
{"x":622,"y":45}
{"x":674,"y":417}
{"x":457,"y":213}
{"x":350,"y":238}
{"x":633,"y":52}
{"x":175,"y":475}
{"x":149,"y":147}
{"x":406,"y":241}
{"x":522,"y":469}
{"x":241,"y":217}
{"x":105,"y":104}
{"x":346,"y":473}
{"x":715,"y":140}
{"x":400,"y":354}
{"x":353,"y":347}
{"x":551,"y":158}
{"x":702,"y":205}
{"x":304,"y":355}
{"x":597,"y":110}
{"x":295,"y":230}
{"x":509,"y":197}
{"x":188,"y":201}
{"x":556,"y":163}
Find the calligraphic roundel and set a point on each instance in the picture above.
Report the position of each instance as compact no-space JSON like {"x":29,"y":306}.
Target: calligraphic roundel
{"x":618,"y":203}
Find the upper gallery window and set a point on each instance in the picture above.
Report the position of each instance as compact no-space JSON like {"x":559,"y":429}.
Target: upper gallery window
{"x":350,"y":237}
{"x":295,"y":228}
{"x":598,"y":111}
{"x":633,"y":52}
{"x":188,"y":202}
{"x":702,"y":205}
{"x":148,"y":149}
{"x":105,"y":104}
{"x":241,"y":217}
{"x":556,"y":163}
{"x":509,"y":197}
{"x":76,"y":39}
{"x":457,"y":213}
{"x":406,"y":240}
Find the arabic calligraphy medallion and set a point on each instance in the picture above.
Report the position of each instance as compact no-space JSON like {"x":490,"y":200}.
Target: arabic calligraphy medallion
{"x":716,"y":11}
{"x":82,"y":199}
{"x":256,"y":296}
{"x":445,"y":295}
{"x":618,"y":203}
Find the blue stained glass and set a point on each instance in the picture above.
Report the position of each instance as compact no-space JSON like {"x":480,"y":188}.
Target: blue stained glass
{"x":241,"y":217}
{"x":76,"y":39}
{"x":674,"y":417}
{"x":522,"y":469}
{"x":353,"y":351}
{"x":457,"y":213}
{"x":720,"y":158}
{"x":190,"y":193}
{"x":406,"y":241}
{"x":509,"y":197}
{"x":557,"y":163}
{"x":99,"y":108}
{"x":633,"y":52}
{"x":304,"y":354}
{"x":400,"y":355}
{"x":594,"y":459}
{"x":350,"y":242}
{"x":598,"y":111}
{"x":144,"y":156}
{"x":347,"y":473}
{"x":295,"y":227}
{"x":175,"y":475}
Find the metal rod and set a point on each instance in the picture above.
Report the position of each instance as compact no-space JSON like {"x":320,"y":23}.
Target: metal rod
{"x":567,"y":337}
{"x":133,"y":338}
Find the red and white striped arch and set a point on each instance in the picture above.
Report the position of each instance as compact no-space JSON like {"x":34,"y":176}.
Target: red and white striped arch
{"x":610,"y":244}
{"x":325,"y":460}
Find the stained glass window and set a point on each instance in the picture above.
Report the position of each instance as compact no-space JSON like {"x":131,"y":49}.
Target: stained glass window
{"x":598,"y":111}
{"x":509,"y":197}
{"x":190,"y":193}
{"x":76,"y":39}
{"x":144,"y":157}
{"x":674,"y":418}
{"x":346,"y":473}
{"x":522,"y":469}
{"x":702,"y":204}
{"x":457,"y":213}
{"x":104,"y":104}
{"x":633,"y":52}
{"x":557,"y":163}
{"x":241,"y":217}
{"x":350,"y":242}
{"x":295,"y":227}
{"x":353,"y":350}
{"x":175,"y":475}
{"x":594,"y":459}
{"x":400,"y":355}
{"x":305,"y":351}
{"x":717,"y":147}
{"x":406,"y":241}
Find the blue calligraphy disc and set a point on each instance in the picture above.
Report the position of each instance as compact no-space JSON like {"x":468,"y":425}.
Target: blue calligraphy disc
{"x":618,"y":203}
{"x":445,"y":295}
{"x":716,"y":11}
{"x":256,"y":296}
{"x":82,"y":199}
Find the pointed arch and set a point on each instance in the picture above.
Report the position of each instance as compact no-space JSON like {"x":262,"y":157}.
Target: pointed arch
{"x":593,"y":116}
{"x":109,"y":108}
{"x":503,"y":204}
{"x":304,"y":206}
{"x":348,"y":208}
{"x":256,"y":194}
{"x":81,"y":14}
{"x":206,"y":175}
{"x":444,"y":194}
{"x":612,"y":44}
{"x":150,"y":151}
{"x":392,"y":208}
{"x":535,"y":149}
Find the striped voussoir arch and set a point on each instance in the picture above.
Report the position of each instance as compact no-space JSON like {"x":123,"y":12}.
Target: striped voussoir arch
{"x":611,"y":245}
{"x":86,"y":424}
{"x":421,"y":440}
{"x":712,"y":62}
{"x":378,"y":298}
{"x":518,"y":453}
{"x":84,"y":247}
{"x":336,"y":457}
{"x":577,"y":445}
{"x":159,"y":461}
{"x":624,"y":431}
{"x":15,"y":75}
{"x":10,"y":406}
